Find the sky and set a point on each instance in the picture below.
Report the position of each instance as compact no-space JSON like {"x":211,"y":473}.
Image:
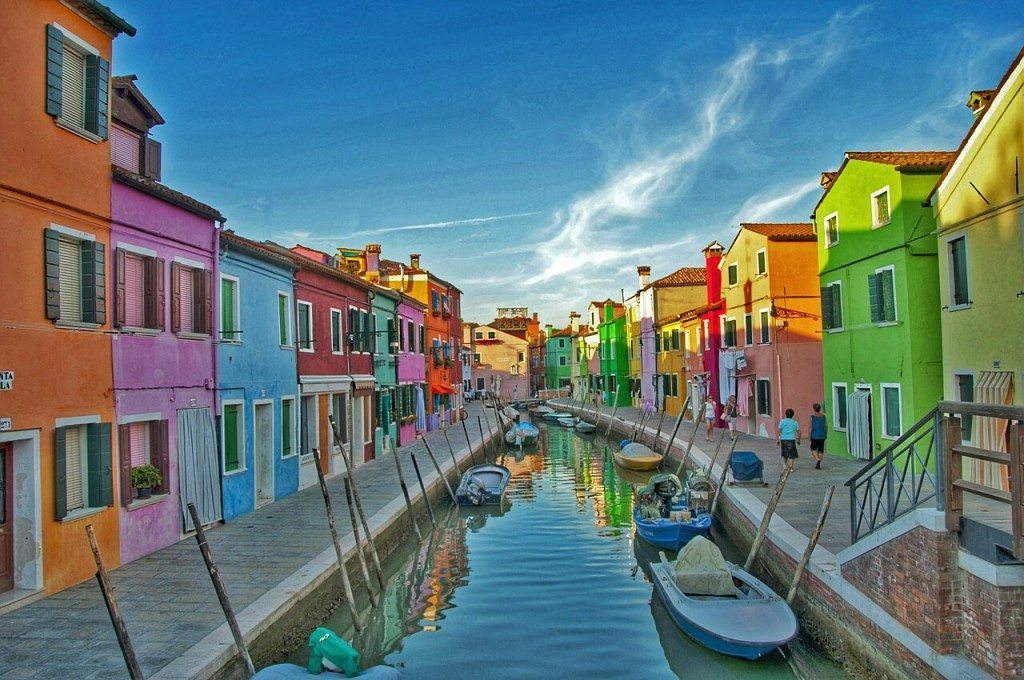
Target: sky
{"x":535,"y":153}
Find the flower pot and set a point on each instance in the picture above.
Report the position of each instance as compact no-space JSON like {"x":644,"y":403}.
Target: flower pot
{"x":144,"y":493}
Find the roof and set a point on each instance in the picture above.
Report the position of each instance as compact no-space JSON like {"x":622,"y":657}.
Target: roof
{"x":684,"y":276}
{"x":255,"y":248}
{"x":562,"y":332}
{"x":789,"y":231}
{"x":102,"y":16}
{"x":163,"y":192}
{"x":902,"y":161}
{"x":312,"y":265}
{"x":128,"y":83}
{"x":703,"y":309}
{"x":393,"y":268}
{"x":602,"y":303}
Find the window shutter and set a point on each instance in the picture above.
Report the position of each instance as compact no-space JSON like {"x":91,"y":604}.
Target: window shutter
{"x":54,"y":71}
{"x":227,"y":310}
{"x":119,"y":281}
{"x":175,"y":297}
{"x":97,"y":81}
{"x":158,"y":453}
{"x":206,"y":277}
{"x":827,"y":319}
{"x":124,"y":451}
{"x":352,"y":329}
{"x":887,"y":293}
{"x":198,"y":301}
{"x":101,"y":491}
{"x":153,"y":286}
{"x":230,"y":438}
{"x":60,"y":473}
{"x":94,"y":282}
{"x":874,"y":298}
{"x":152,"y":159}
{"x":51,"y":250}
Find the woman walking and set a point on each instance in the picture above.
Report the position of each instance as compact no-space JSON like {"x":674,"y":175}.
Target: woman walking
{"x":709,"y":417}
{"x":819,"y":431}
{"x":729,"y":415}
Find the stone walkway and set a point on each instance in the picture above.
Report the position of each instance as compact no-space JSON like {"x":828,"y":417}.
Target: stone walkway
{"x":167,"y":599}
{"x":805,"y":488}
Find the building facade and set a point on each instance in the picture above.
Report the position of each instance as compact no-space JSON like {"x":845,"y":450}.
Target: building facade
{"x":412,"y":372}
{"x":558,"y":357}
{"x":614,"y":356}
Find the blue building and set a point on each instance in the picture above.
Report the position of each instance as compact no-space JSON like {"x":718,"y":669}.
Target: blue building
{"x":256,"y":376}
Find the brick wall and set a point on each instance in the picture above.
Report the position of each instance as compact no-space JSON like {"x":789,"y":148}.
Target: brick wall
{"x":993,"y":625}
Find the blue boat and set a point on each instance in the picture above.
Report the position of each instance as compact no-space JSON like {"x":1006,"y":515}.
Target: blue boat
{"x":482,"y":485}
{"x":670,"y":533}
{"x":748,"y":622}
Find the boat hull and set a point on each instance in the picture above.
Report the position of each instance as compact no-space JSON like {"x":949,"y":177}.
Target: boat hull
{"x":494,"y":479}
{"x":671,"y":535}
{"x":649,"y":462}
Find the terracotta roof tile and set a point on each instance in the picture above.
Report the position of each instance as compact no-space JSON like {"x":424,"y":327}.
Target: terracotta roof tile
{"x":162,"y":191}
{"x":793,"y":231}
{"x":911,"y":160}
{"x":230,"y":237}
{"x":684,"y":276}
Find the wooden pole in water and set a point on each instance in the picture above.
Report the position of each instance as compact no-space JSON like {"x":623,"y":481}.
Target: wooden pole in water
{"x":452,"y":451}
{"x":714,"y":458}
{"x":222,"y":592}
{"x":490,"y":432}
{"x":672,"y":439}
{"x":811,"y":543}
{"x":345,"y":582}
{"x":405,"y":493}
{"x":725,"y":471}
{"x":657,"y":435}
{"x":114,"y":610}
{"x":483,"y":439}
{"x":686,"y":454}
{"x":440,"y":472}
{"x":472,"y":456}
{"x":358,"y":542}
{"x":769,"y":511}
{"x":615,"y":407}
{"x":423,"y":489}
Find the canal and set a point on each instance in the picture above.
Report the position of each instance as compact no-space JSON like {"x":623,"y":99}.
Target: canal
{"x":550,"y":585}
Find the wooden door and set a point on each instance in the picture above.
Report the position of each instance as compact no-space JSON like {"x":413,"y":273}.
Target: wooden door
{"x":6,"y":518}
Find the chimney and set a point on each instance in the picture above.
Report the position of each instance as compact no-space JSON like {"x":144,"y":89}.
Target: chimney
{"x":372,"y":253}
{"x":645,"y":274}
{"x":574,"y":323}
{"x":414,"y":261}
{"x":712,"y":259}
{"x":609,"y":311}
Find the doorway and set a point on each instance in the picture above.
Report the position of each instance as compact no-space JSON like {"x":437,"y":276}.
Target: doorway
{"x":859,"y":435}
{"x":263,"y":451}
{"x":6,"y":517}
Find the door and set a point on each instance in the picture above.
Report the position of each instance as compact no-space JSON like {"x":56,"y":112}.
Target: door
{"x":198,"y":466}
{"x":6,"y":518}
{"x":858,"y":431}
{"x":358,"y":441}
{"x":263,"y":449}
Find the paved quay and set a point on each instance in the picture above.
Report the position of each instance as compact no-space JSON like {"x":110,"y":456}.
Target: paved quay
{"x":167,"y":599}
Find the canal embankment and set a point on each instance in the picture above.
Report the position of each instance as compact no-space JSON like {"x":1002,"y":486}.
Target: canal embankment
{"x":867,"y":637}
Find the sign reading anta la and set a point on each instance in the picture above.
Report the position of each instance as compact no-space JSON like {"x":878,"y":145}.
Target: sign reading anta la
{"x":6,"y":380}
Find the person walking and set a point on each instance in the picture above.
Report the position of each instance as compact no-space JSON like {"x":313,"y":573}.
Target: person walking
{"x":789,"y":437}
{"x":819,"y":431}
{"x":729,"y":415}
{"x":709,"y":417}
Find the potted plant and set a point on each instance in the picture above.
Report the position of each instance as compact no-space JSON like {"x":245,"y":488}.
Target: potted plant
{"x":144,"y":478}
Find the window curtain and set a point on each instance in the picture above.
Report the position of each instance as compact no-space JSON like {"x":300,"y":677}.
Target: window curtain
{"x":199,"y":466}
{"x":994,"y":387}
{"x":858,"y":427}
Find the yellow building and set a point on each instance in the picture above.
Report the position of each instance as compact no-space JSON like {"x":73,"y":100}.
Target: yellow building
{"x":979,"y":215}
{"x":670,"y":353}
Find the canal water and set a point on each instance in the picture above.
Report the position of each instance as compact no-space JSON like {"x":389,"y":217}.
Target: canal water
{"x":552,"y":584}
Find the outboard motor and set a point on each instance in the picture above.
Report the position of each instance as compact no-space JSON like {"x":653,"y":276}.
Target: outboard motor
{"x":666,"y":490}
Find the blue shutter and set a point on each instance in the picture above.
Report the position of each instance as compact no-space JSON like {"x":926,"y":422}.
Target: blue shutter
{"x":101,"y":473}
{"x":54,"y":71}
{"x":60,"y":473}
{"x":94,"y":282}
{"x":97,"y":77}
{"x":51,"y":240}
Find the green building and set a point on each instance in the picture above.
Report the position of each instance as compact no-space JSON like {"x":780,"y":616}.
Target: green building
{"x":878,"y":272}
{"x":558,"y":358}
{"x":614,"y":354}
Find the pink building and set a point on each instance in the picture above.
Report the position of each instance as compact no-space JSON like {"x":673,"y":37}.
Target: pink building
{"x":411,"y":366}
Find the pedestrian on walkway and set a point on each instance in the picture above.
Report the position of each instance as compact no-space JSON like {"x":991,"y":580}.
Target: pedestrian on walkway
{"x":819,"y":431}
{"x":709,"y":416}
{"x":729,"y":415}
{"x":789,"y":437}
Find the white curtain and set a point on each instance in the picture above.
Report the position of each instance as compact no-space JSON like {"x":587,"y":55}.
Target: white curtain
{"x":198,"y":466}
{"x":994,"y":387}
{"x":858,"y":425}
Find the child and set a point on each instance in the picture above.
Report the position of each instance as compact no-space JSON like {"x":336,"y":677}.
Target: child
{"x":819,"y":431}
{"x":709,"y":417}
{"x":789,"y":437}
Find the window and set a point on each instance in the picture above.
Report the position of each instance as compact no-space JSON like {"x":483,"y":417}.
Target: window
{"x":728,"y":332}
{"x":480,"y":383}
{"x":391,"y":330}
{"x":748,"y":329}
{"x":491,"y":335}
{"x":522,"y":356}
{"x":880,"y":208}
{"x":142,"y":442}
{"x":77,"y":83}
{"x":706,"y":327}
{"x":839,"y":404}
{"x":892,"y":411}
{"x":561,"y":343}
{"x":882,"y":296}
{"x":476,"y":357}
{"x":675,"y":385}
{"x":75,"y":277}
{"x":125,"y":148}
{"x":561,"y":361}
{"x":963,"y":383}
{"x":675,"y":338}
{"x":657,"y":342}
{"x":831,"y":230}
{"x":764,"y":397}
{"x":435,"y":303}
{"x":514,"y":369}
{"x":287,"y":427}
{"x":230,"y":327}
{"x":139,"y":289}
{"x":83,"y":478}
{"x":959,"y":290}
{"x":308,"y":432}
{"x":339,"y":409}
{"x":764,"y":319}
{"x":304,"y":320}
{"x":423,"y":340}
{"x":832,"y":307}
{"x":410,"y":332}
{"x":479,"y":335}
{"x":336,"y":330}
{"x":191,"y":300}
{"x":762,"y":262}
{"x":233,"y":437}
{"x":446,"y":308}
{"x":284,"y":326}
{"x":733,"y":274}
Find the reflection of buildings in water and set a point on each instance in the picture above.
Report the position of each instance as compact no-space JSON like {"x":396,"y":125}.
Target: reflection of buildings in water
{"x":594,"y":479}
{"x":434,"y":581}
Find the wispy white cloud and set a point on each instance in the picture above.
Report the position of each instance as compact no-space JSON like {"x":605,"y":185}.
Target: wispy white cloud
{"x":447,"y":224}
{"x":773,"y":203}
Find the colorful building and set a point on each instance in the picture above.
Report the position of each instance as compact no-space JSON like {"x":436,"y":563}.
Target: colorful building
{"x":702,"y":335}
{"x":500,"y":354}
{"x":587,"y":345}
{"x":384,"y":328}
{"x":557,"y":357}
{"x":614,"y":355}
{"x":163,"y":268}
{"x":256,"y":366}
{"x":771,"y":333}
{"x":59,"y":443}
{"x":979,"y":215}
{"x":412,"y":371}
{"x":670,"y":370}
{"x":878,"y":273}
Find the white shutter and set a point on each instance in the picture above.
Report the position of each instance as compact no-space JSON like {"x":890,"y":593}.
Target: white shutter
{"x":187,"y":300}
{"x":138,"y":436}
{"x":70,"y":256}
{"x":73,"y":463}
{"x":134,"y":275}
{"x":73,"y":88}
{"x":124,"y":148}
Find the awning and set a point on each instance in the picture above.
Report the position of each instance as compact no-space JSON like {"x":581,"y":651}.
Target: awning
{"x":438,"y":388}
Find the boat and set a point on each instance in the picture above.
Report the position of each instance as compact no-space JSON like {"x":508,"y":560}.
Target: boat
{"x":570,"y":422}
{"x":555,"y":416}
{"x":583,"y":427}
{"x":482,"y":485}
{"x":664,"y":519}
{"x":637,"y":456}
{"x":721,"y":606}
{"x":522,"y":434}
{"x":542,"y":410}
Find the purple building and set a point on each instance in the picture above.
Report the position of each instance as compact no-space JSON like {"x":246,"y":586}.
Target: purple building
{"x":163,"y":266}
{"x":411,"y":366}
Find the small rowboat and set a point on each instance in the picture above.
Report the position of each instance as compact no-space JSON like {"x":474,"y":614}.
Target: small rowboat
{"x":522,"y":435}
{"x":583,"y":427}
{"x":636,"y":456}
{"x":748,"y":622}
{"x":482,"y":485}
{"x":672,"y":533}
{"x":555,"y":416}
{"x":542,"y":410}
{"x":568,"y":422}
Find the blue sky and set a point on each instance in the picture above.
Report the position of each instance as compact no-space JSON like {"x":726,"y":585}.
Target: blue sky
{"x":536,"y":153}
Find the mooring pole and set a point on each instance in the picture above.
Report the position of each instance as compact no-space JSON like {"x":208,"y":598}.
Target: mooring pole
{"x":686,"y":454}
{"x":358,"y":542}
{"x":423,"y":489}
{"x":672,"y":439}
{"x":725,"y":471}
{"x":114,"y":610}
{"x":615,"y":407}
{"x":483,"y":439}
{"x":811,"y":543}
{"x":222,"y":592}
{"x":469,"y":443}
{"x":405,"y":493}
{"x":452,"y":451}
{"x":440,"y":472}
{"x":657,"y":435}
{"x":769,"y":511}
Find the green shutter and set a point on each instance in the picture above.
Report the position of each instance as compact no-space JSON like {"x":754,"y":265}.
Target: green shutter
{"x":887,"y":293}
{"x":286,"y":427}
{"x":282,"y":319}
{"x":874,"y":298}
{"x":94,"y":282}
{"x":60,"y":473}
{"x":827,"y":318}
{"x":54,"y":70}
{"x":227,"y":310}
{"x":51,"y":250}
{"x":230,"y":438}
{"x":100,"y":466}
{"x":336,"y":331}
{"x":97,"y":77}
{"x":837,"y":306}
{"x":675,"y":338}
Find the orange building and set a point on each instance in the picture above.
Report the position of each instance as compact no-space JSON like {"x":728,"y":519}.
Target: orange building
{"x":56,"y":401}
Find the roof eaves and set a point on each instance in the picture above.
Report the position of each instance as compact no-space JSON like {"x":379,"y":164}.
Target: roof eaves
{"x":165,"y":193}
{"x":104,"y":17}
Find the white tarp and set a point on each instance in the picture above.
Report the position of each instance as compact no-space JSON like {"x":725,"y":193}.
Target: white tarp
{"x":701,"y":569}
